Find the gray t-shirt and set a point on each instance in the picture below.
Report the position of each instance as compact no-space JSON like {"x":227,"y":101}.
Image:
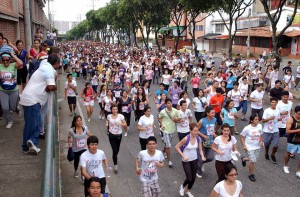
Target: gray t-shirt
{"x":79,"y":141}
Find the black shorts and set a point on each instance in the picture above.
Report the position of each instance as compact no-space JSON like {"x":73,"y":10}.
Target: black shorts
{"x":72,"y":100}
{"x":22,"y":75}
{"x":218,"y":117}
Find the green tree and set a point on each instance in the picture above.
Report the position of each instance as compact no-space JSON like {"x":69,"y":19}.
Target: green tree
{"x":234,"y":9}
{"x":274,"y":17}
{"x":197,"y":11}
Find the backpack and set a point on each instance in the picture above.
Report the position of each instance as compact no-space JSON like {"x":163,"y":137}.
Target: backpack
{"x":188,"y":141}
{"x":33,"y":66}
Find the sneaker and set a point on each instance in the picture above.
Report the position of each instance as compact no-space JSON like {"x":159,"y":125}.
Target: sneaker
{"x":25,"y":151}
{"x":292,"y":155}
{"x":298,"y":174}
{"x":236,"y":133}
{"x":19,"y":113}
{"x":103,"y":117}
{"x":9,"y":125}
{"x":71,"y":113}
{"x":170,"y":164}
{"x":181,"y":190}
{"x":76,"y":174}
{"x":243,"y":161}
{"x":125,"y":134}
{"x":100,"y":117}
{"x":89,"y":120}
{"x":243,"y":119}
{"x":116,"y":169}
{"x":199,"y":175}
{"x":42,"y":136}
{"x":189,"y":194}
{"x":32,"y":148}
{"x":267,"y":157}
{"x":202,"y":168}
{"x":252,"y":177}
{"x":273,"y":159}
{"x":286,"y":169}
{"x":74,"y":114}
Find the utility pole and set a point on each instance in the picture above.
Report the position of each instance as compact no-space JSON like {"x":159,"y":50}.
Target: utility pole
{"x":49,"y":15}
{"x":28,"y":33}
{"x":248,"y":39}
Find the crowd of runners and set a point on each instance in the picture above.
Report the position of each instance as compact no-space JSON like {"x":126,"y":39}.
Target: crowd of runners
{"x":118,"y":79}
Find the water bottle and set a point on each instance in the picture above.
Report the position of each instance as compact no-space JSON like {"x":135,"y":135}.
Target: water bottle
{"x":108,"y":171}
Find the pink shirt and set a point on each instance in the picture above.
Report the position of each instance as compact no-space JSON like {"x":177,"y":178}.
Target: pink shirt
{"x":195,"y":82}
{"x":149,"y":74}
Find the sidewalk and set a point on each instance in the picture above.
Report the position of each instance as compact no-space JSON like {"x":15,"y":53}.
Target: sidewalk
{"x":21,"y":174}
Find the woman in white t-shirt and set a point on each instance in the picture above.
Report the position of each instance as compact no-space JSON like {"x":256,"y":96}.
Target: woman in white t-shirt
{"x":184,"y":96}
{"x":146,"y":127}
{"x":199,"y":104}
{"x":229,"y":187}
{"x":128,"y":79}
{"x":224,"y":145}
{"x":115,"y":122}
{"x":77,"y":140}
{"x":100,"y":97}
{"x":107,"y":101}
{"x":165,"y":79}
{"x":289,"y":79}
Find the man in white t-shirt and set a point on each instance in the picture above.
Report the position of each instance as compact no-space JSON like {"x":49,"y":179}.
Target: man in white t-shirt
{"x":147,"y":163}
{"x":186,"y":117}
{"x":271,"y":117}
{"x":91,"y":162}
{"x":236,"y":95}
{"x":70,"y":93}
{"x":33,"y":97}
{"x":256,"y":98}
{"x":284,"y":107}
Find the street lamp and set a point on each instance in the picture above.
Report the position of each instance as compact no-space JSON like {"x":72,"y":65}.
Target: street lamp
{"x":248,"y":39}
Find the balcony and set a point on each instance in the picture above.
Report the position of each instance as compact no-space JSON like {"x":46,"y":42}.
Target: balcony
{"x":254,"y":22}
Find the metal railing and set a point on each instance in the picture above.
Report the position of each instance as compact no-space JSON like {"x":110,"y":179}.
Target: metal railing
{"x":49,"y":180}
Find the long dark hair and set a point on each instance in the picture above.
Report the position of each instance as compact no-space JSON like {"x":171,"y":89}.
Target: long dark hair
{"x":226,"y":107}
{"x":207,"y":110}
{"x":143,"y":93}
{"x":101,"y":88}
{"x":74,"y":120}
{"x":225,"y":125}
{"x":228,"y":168}
{"x":252,"y":117}
{"x":85,"y":89}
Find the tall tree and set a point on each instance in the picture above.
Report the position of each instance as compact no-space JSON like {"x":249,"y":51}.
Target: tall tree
{"x":274,"y":16}
{"x":177,"y":16}
{"x":234,"y":9}
{"x":194,"y":9}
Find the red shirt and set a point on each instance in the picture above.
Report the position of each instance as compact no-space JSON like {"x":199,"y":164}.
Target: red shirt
{"x":214,"y":100}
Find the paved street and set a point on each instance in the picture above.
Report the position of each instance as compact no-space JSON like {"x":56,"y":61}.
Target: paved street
{"x":271,"y":180}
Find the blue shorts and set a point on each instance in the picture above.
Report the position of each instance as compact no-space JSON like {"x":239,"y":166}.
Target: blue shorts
{"x":293,"y":148}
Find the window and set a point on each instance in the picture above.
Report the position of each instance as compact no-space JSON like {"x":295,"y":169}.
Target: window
{"x":219,"y":28}
{"x":200,"y":27}
{"x":196,"y":28}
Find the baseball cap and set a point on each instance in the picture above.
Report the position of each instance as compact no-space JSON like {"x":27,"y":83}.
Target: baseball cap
{"x":47,"y":43}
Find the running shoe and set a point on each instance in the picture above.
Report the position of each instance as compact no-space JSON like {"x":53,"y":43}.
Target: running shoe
{"x":286,"y":169}
{"x":273,"y":159}
{"x":9,"y":125}
{"x":267,"y":157}
{"x":298,"y":174}
{"x":199,"y":175}
{"x":181,"y":190}
{"x":170,"y":164}
{"x":71,"y":113}
{"x":89,"y":120}
{"x":116,"y":169}
{"x":243,"y":161}
{"x":189,"y":194}
{"x":252,"y":177}
{"x":103,"y":117}
{"x":76,"y":174}
{"x":202,"y":168}
{"x":292,"y":155}
{"x":125,"y":134}
{"x":32,"y":148}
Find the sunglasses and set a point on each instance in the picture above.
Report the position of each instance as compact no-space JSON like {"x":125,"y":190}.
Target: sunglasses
{"x":3,"y":60}
{"x":235,"y":174}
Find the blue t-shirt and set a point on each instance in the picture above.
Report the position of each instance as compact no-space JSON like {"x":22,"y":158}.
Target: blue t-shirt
{"x":228,"y":118}
{"x":22,"y":56}
{"x":207,"y":128}
{"x":158,"y":94}
{"x":230,"y":82}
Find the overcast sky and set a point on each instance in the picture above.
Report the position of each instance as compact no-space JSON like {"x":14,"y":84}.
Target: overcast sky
{"x":72,"y":10}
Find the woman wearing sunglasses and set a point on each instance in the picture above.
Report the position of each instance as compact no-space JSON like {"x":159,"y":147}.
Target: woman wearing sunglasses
{"x":229,"y":186}
{"x":8,"y":85}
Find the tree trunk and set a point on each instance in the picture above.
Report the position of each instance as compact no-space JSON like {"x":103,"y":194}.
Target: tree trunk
{"x":134,"y":39}
{"x":156,"y":38}
{"x":194,"y":39}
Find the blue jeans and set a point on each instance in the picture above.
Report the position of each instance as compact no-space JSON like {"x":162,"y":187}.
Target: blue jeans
{"x":244,"y":106}
{"x":32,"y":118}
